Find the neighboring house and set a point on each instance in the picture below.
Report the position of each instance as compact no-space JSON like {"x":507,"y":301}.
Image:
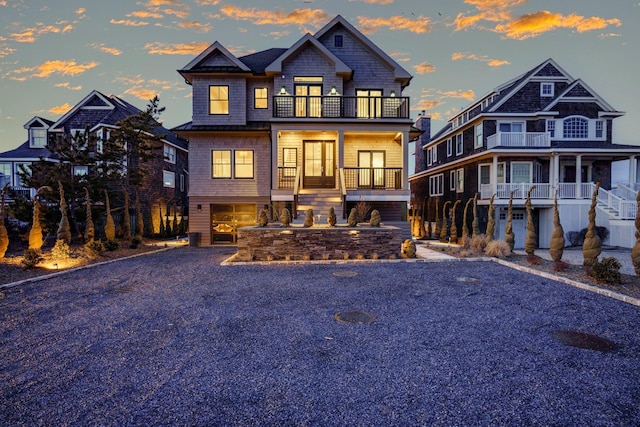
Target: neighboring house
{"x":544,"y":129}
{"x":320,"y":124}
{"x":100,"y":113}
{"x":30,"y":151}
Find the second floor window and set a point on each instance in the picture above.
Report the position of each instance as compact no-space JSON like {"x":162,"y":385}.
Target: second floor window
{"x":551,"y":128}
{"x":221,"y":164}
{"x":546,"y":89}
{"x":575,"y":127}
{"x":369,"y":103}
{"x":479,"y":136}
{"x":38,"y":137}
{"x":218,"y":99}
{"x":169,"y":179}
{"x":169,"y":153}
{"x":243,"y":163}
{"x":435,"y":185}
{"x":223,"y":160}
{"x":449,"y":147}
{"x":260,"y":98}
{"x":459,"y":144}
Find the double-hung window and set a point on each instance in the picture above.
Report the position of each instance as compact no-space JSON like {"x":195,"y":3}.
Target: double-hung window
{"x":479,"y":136}
{"x":260,"y":100}
{"x":228,"y":164}
{"x":169,"y":153}
{"x":169,"y":179}
{"x":37,"y":138}
{"x":459,"y":144}
{"x":218,"y":100}
{"x":546,"y":89}
{"x":435,"y":185}
{"x":449,"y":147}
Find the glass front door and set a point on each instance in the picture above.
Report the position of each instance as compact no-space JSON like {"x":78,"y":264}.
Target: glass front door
{"x":319,"y":164}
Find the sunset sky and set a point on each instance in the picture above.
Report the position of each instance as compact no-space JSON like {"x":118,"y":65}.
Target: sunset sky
{"x":52,"y":54}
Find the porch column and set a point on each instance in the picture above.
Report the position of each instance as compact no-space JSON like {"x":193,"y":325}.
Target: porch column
{"x":340,"y":149}
{"x":579,"y":176}
{"x":274,"y":160}
{"x":494,"y":176}
{"x":632,"y":171}
{"x":405,"y":160}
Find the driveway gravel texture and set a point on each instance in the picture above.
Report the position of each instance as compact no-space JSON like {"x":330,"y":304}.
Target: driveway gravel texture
{"x":174,"y":338}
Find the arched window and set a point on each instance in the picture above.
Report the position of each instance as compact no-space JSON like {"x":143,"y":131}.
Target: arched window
{"x":575,"y":128}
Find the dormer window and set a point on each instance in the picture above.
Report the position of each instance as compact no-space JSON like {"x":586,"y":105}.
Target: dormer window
{"x":37,"y":138}
{"x":546,"y":89}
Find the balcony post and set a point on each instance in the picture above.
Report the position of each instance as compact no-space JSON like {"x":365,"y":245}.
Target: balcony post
{"x":494,"y":176}
{"x":405,"y":159}
{"x":579,"y":176}
{"x":274,"y":159}
{"x":632,"y":171}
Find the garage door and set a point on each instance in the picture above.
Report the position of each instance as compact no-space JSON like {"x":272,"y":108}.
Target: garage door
{"x":227,"y":218}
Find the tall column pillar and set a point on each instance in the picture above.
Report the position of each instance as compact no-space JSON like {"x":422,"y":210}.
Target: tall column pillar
{"x":579,"y":176}
{"x":494,"y":176}
{"x":633,"y":170}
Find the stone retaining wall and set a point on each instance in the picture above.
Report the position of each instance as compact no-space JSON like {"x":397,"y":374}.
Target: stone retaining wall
{"x":318,"y":243}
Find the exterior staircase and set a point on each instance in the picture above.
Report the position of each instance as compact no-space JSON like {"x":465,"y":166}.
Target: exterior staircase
{"x":320,"y":201}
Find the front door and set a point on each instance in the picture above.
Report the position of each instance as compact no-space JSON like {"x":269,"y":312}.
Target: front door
{"x":319,"y":164}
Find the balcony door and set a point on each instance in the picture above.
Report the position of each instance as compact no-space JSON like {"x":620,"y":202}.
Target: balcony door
{"x":371,"y":172}
{"x":319,"y":164}
{"x":308,"y":100}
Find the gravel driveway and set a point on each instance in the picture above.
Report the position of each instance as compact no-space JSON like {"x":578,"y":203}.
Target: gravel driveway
{"x":176,"y":339}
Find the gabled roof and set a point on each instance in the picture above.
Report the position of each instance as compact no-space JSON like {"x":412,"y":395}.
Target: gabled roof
{"x":308,"y":40}
{"x":545,"y":70}
{"x":259,"y":61}
{"x":93,"y":101}
{"x":215,"y":58}
{"x":579,"y":91}
{"x":38,"y":122}
{"x":400,"y":73}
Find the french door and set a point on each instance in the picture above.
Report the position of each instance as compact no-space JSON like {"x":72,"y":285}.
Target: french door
{"x":319,"y":164}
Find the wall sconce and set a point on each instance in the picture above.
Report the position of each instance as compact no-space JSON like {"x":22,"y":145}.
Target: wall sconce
{"x":333,"y":90}
{"x":286,"y":232}
{"x":354,"y":232}
{"x":283,"y":90}
{"x":393,"y":93}
{"x":199,"y":208}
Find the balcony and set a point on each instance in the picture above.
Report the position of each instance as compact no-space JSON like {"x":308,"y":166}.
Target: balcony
{"x":519,"y":140}
{"x":343,"y":107}
{"x":373,"y":178}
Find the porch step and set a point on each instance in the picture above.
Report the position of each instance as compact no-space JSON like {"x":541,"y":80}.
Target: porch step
{"x":320,"y":202}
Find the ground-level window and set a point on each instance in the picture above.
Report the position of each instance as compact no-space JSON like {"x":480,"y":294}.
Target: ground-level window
{"x":452,"y":180}
{"x":460,"y":180}
{"x":5,"y":174}
{"x":168,"y":179}
{"x":227,"y":218}
{"x":436,"y":187}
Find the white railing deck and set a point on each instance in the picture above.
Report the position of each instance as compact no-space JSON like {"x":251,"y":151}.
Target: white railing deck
{"x":617,"y":206}
{"x":519,"y":140}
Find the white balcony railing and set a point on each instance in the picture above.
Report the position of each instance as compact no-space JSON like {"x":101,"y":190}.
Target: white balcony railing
{"x":519,"y":140}
{"x":617,"y":206}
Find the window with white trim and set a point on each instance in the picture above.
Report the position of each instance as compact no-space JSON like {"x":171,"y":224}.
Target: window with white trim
{"x":460,"y":180}
{"x":551,"y":128}
{"x":37,"y":138}
{"x":169,"y":179}
{"x":169,"y":153}
{"x":521,"y":172}
{"x":599,"y":128}
{"x":484,"y":175}
{"x":449,"y":147}
{"x":436,"y":185}
{"x":479,"y":136}
{"x":575,"y":127}
{"x":434,"y":154}
{"x":546,"y":89}
{"x":80,"y":170}
{"x":459,"y":144}
{"x":5,"y":173}
{"x":452,"y":180}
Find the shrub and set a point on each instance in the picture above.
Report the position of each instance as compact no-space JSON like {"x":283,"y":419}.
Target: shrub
{"x":497,"y":249}
{"x":135,"y":242}
{"x":94,"y":248}
{"x":607,"y":271}
{"x":60,"y":250}
{"x":576,"y":238}
{"x":112,"y":245}
{"x":478,"y":243}
{"x":31,"y":258}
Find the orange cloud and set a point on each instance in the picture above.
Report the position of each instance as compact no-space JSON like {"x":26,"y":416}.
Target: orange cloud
{"x":80,"y":12}
{"x":6,"y":51}
{"x":424,"y":68}
{"x":195,"y":25}
{"x":528,"y":25}
{"x":426,"y":104}
{"x":159,"y":48}
{"x":300,"y":17}
{"x":278,"y":34}
{"x":397,"y":23}
{"x":375,"y":1}
{"x":60,"y":109}
{"x":457,"y":56}
{"x":461,"y":94}
{"x":144,"y":14}
{"x":176,"y":12}
{"x":29,"y":35}
{"x":102,"y":48}
{"x":141,"y":93}
{"x":128,"y":22}
{"x":44,"y":70}
{"x":67,"y":85}
{"x":534,"y":24}
{"x":207,"y":2}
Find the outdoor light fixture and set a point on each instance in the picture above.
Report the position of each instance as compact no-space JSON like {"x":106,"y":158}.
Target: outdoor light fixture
{"x":333,"y":90}
{"x":354,"y":232}
{"x":393,"y":93}
{"x":283,"y":90}
{"x":286,"y":232}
